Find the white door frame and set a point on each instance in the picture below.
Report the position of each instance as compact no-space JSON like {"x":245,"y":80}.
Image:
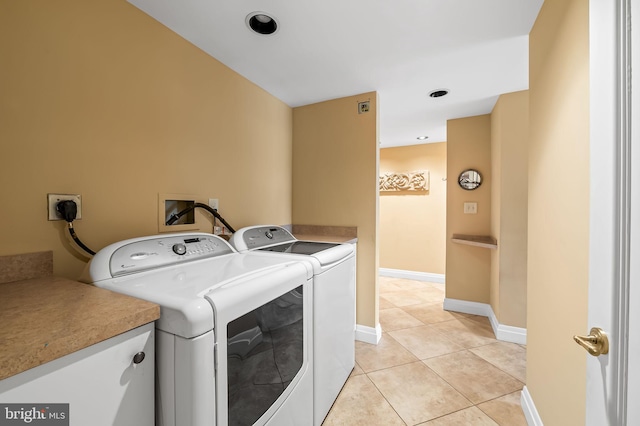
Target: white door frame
{"x":633,"y":383}
{"x":610,"y":209}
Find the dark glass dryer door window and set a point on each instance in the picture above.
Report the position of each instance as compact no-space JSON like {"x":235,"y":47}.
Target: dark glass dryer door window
{"x":264,"y":354}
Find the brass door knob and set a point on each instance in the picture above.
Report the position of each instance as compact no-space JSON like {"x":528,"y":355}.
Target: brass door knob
{"x":596,"y":343}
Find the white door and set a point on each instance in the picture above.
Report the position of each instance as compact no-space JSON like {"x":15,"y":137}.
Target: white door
{"x":613,"y":380}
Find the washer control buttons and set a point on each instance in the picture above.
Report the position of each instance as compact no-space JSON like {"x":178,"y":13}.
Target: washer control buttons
{"x":179,"y":249}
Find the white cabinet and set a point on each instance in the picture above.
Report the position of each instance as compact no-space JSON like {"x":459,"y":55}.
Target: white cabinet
{"x":101,"y":383}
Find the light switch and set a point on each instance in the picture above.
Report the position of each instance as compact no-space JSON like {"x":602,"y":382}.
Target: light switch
{"x":470,"y":208}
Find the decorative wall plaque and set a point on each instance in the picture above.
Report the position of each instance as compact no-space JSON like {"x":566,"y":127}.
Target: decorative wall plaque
{"x":410,"y":181}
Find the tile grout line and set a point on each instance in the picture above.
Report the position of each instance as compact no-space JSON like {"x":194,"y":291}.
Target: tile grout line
{"x":385,"y":398}
{"x":463,"y":350}
{"x":473,"y":318}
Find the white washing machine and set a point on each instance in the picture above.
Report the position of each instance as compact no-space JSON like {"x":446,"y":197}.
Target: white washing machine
{"x":234,"y":337}
{"x":334,"y":303}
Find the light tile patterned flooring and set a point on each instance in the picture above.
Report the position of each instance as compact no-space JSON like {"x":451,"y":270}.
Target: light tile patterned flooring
{"x":431,"y":367}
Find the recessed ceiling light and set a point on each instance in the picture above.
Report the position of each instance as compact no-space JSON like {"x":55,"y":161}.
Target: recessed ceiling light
{"x":421,"y":138}
{"x":438,"y":93}
{"x":261,"y":23}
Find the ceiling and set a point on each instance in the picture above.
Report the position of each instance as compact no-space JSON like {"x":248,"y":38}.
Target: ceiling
{"x":403,"y":49}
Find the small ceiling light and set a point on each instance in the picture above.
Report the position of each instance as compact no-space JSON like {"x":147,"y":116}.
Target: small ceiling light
{"x":421,"y":138}
{"x":438,"y":93}
{"x":261,"y":23}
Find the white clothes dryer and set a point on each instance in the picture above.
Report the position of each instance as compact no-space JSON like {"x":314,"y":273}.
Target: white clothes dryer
{"x":234,"y":337}
{"x":334,"y":303}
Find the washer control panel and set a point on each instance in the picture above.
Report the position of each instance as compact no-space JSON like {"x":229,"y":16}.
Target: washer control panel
{"x":156,"y":252}
{"x":260,"y":236}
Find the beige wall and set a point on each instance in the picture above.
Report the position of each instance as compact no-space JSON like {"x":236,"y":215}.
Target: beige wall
{"x":413,"y":225}
{"x":335,"y":181}
{"x":468,"y":268}
{"x":558,"y":211}
{"x":509,"y":168}
{"x":101,"y":100}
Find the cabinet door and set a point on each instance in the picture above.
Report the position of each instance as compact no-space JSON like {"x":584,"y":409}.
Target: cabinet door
{"x":102,"y":384}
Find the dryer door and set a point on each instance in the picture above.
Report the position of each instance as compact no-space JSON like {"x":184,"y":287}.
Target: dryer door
{"x":263,"y":348}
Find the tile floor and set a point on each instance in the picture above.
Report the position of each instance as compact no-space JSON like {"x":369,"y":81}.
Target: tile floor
{"x":431,"y":367}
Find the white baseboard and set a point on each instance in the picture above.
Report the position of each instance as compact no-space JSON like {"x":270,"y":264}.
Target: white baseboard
{"x":412,"y":275}
{"x":505,"y":333}
{"x":529,"y":408}
{"x":466,"y":307}
{"x":368,"y":334}
{"x":509,"y":333}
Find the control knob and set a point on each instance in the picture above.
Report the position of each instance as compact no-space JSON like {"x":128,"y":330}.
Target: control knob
{"x":179,"y":249}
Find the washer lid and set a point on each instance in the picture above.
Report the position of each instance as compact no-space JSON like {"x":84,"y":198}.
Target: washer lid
{"x":324,"y":253}
{"x":300,"y":247}
{"x":272,"y":238}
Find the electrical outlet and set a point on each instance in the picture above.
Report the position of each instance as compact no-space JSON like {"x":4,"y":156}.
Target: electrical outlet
{"x":213,"y":203}
{"x":54,"y":199}
{"x":470,"y":208}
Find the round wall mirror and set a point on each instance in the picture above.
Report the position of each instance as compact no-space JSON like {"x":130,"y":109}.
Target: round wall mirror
{"x":470,"y":179}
